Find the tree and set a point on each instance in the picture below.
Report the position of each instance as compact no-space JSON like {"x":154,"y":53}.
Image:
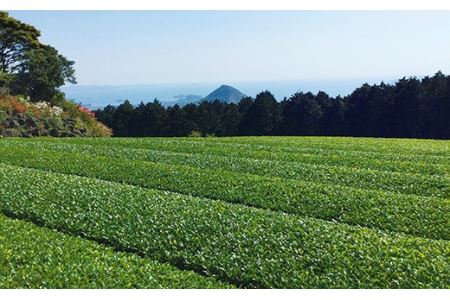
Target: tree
{"x":150,"y":119}
{"x":106,"y":115}
{"x":43,"y":71}
{"x":16,"y":39}
{"x":302,"y":114}
{"x":408,"y":96}
{"x":333,"y":119}
{"x":5,"y":80}
{"x":123,"y":118}
{"x":356,"y":115}
{"x":435,"y":108}
{"x":245,"y":104}
{"x":210,"y":117}
{"x":262,"y":117}
{"x":28,"y":67}
{"x":230,"y":120}
{"x":179,"y":123}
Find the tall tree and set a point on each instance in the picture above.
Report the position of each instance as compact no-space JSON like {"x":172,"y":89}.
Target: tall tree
{"x":231,"y":117}
{"x":43,"y":71}
{"x":16,"y":39}
{"x":262,"y":117}
{"x":302,"y":114}
{"x":357,"y":111}
{"x":5,"y":80}
{"x":106,"y":115}
{"x":435,"y":108}
{"x":150,"y":119}
{"x":179,"y":123}
{"x":123,"y":118}
{"x":28,"y":67}
{"x":333,"y":119}
{"x":408,"y":96}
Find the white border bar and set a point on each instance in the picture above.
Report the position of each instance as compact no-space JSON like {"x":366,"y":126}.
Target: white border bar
{"x":224,"y":4}
{"x":226,"y":294}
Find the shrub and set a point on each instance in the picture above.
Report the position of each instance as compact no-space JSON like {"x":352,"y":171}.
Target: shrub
{"x":55,"y":117}
{"x":243,"y":245}
{"x":421,"y":216}
{"x":195,"y":134}
{"x":65,"y":261}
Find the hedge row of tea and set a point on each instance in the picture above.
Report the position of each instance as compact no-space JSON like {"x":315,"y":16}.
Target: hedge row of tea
{"x":250,"y":212}
{"x":411,"y":159}
{"x":246,"y":246}
{"x":35,"y":257}
{"x":407,"y":183}
{"x":421,"y":216}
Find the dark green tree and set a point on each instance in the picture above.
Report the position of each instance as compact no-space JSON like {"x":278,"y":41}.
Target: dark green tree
{"x":42,"y":73}
{"x":262,"y":117}
{"x":333,"y":119}
{"x":245,"y":104}
{"x":435,"y":108}
{"x":5,"y":80}
{"x":231,"y":117}
{"x":123,"y":118}
{"x":302,"y":115}
{"x":28,"y":67}
{"x":408,"y":96}
{"x":150,"y":119}
{"x":357,"y":111}
{"x":210,"y":117}
{"x":179,"y":123}
{"x":16,"y":39}
{"x":106,"y":115}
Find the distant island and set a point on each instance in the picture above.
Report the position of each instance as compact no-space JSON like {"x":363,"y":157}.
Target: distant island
{"x":226,"y":94}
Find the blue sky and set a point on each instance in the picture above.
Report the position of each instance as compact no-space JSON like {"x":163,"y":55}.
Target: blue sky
{"x":150,"y":47}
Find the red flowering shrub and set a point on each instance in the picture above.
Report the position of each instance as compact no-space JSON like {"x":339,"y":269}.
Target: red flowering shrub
{"x":86,"y":110}
{"x":41,"y":118}
{"x":12,"y":104}
{"x":18,"y":107}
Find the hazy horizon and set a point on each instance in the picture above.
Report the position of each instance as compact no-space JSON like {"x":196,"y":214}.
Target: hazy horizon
{"x":143,"y":55}
{"x":102,"y":95}
{"x":173,"y":47}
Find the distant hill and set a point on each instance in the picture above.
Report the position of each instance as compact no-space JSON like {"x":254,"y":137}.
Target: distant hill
{"x":225,"y":93}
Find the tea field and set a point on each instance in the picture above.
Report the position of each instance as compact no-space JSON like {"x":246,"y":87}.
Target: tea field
{"x":237,"y":212}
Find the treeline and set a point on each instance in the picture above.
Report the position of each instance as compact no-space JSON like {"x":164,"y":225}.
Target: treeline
{"x":410,"y":108}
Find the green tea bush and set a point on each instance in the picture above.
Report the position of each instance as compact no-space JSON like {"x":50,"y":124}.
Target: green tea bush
{"x":35,"y":257}
{"x":406,"y":183}
{"x":246,"y":246}
{"x":384,"y":159}
{"x":421,"y":216}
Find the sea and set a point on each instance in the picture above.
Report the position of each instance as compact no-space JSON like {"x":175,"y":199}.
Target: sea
{"x":97,"y":96}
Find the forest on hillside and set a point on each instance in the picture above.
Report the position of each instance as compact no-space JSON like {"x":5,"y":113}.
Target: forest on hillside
{"x":410,"y":108}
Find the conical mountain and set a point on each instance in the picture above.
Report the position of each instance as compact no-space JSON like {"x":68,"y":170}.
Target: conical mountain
{"x":225,"y":93}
